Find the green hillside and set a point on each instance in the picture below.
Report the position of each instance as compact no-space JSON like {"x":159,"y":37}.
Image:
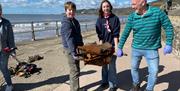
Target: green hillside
{"x":118,"y":11}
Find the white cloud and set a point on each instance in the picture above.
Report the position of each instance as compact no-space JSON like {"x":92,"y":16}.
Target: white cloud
{"x":57,"y":4}
{"x":54,"y":3}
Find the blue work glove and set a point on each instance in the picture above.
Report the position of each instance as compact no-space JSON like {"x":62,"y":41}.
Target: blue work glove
{"x":77,"y":57}
{"x":167,"y":49}
{"x":119,"y":52}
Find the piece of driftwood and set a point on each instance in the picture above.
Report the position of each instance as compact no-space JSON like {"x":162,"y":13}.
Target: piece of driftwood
{"x":34,"y":58}
{"x":95,"y":54}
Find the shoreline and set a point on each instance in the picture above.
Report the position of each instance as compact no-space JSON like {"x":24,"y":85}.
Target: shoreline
{"x":26,"y":42}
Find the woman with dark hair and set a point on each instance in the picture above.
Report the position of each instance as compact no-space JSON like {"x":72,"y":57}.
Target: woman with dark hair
{"x":108,"y":29}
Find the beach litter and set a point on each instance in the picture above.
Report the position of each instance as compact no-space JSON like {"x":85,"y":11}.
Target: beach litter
{"x":25,"y":69}
{"x":94,"y":54}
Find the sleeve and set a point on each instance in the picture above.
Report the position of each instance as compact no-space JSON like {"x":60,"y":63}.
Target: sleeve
{"x":66,"y":32}
{"x":168,"y":28}
{"x":98,"y":29}
{"x":10,"y":41}
{"x":80,"y":42}
{"x":116,"y":26}
{"x":126,"y":32}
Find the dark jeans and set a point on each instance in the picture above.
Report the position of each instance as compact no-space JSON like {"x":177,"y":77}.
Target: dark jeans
{"x":109,"y":73}
{"x":4,"y":67}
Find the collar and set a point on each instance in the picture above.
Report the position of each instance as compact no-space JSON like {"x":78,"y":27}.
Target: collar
{"x":107,"y":15}
{"x":147,"y":14}
{"x":111,"y":15}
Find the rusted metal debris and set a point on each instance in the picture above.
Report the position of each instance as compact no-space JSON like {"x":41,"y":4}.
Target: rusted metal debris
{"x":95,"y":54}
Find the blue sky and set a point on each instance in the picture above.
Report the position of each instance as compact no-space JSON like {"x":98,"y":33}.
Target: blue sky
{"x":52,"y":6}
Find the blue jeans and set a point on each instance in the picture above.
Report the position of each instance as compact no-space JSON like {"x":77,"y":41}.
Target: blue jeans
{"x":4,"y":67}
{"x":109,"y":73}
{"x":152,"y":59}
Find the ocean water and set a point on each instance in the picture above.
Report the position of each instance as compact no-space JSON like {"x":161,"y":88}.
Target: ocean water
{"x":45,"y":25}
{"x":19,"y":18}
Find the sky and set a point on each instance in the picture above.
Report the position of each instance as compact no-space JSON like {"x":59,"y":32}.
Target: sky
{"x":53,"y":6}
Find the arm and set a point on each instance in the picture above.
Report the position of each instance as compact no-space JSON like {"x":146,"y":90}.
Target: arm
{"x":80,"y":41}
{"x":11,"y":42}
{"x":66,"y":32}
{"x":116,"y":32}
{"x":98,"y":31}
{"x":116,"y":40}
{"x":168,"y":28}
{"x":126,"y":32}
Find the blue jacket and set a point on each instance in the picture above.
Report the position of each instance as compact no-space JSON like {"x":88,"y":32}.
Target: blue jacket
{"x":7,"y":35}
{"x":102,"y":32}
{"x":71,"y":34}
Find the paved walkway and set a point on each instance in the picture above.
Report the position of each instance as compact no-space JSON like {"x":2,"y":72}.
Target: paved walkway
{"x":168,"y":77}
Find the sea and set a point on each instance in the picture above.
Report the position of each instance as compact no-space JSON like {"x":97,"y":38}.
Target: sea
{"x":45,"y":25}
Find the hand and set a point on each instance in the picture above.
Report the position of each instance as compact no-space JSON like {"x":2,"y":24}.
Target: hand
{"x":167,"y":49}
{"x":6,"y":49}
{"x":75,"y":57}
{"x":113,"y":50}
{"x":13,"y":55}
{"x":99,"y":42}
{"x":119,"y":52}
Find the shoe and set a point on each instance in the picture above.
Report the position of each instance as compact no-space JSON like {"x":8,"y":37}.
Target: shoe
{"x":135,"y":88}
{"x":113,"y":89}
{"x":9,"y":88}
{"x":103,"y":85}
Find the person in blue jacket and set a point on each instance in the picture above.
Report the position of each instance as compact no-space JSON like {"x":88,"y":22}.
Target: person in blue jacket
{"x":71,"y":38}
{"x":108,"y":29}
{"x":6,"y":45}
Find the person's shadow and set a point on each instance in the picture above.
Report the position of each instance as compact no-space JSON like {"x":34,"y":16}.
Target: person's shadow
{"x":124,"y":79}
{"x":54,"y":80}
{"x":171,"y":78}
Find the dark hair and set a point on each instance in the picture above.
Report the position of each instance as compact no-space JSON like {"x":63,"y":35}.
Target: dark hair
{"x":69,"y":5}
{"x":100,"y":9}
